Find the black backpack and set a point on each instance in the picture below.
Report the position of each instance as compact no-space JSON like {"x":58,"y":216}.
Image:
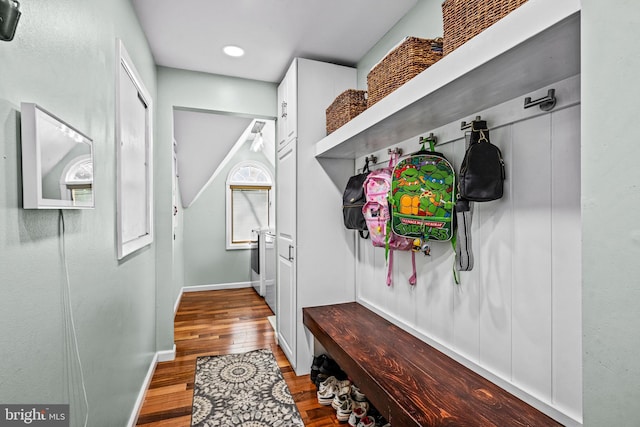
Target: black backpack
{"x":481,"y":179}
{"x":353,"y":200}
{"x":482,"y":174}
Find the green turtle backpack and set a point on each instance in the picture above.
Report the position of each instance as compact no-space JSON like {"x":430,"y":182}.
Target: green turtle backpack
{"x":423,"y":196}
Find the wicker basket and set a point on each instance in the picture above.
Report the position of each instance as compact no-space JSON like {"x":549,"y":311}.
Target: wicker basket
{"x":403,"y":63}
{"x":463,"y":19}
{"x":345,"y":107}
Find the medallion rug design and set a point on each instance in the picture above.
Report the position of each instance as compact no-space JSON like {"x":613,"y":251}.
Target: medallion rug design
{"x":244,"y":389}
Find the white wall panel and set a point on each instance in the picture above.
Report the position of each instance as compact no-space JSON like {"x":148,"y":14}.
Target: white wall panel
{"x":516,"y":317}
{"x":493,"y":242}
{"x":530,"y":173}
{"x":566,"y":278}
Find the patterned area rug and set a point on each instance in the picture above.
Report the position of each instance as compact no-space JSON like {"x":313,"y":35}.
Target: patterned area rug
{"x":242,"y":390}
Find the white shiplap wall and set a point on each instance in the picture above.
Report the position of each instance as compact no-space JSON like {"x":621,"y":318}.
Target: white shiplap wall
{"x":516,"y":318}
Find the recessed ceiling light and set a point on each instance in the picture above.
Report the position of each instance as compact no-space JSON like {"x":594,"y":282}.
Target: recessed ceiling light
{"x":233,"y":51}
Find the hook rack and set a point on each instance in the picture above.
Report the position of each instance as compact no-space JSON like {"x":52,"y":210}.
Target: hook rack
{"x":431,"y":139}
{"x":546,"y":103}
{"x":397,"y":151}
{"x":464,"y":125}
{"x":373,"y":159}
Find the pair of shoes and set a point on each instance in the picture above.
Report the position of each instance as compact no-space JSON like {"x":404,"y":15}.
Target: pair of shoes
{"x":358,"y":411}
{"x":343,"y":412}
{"x":330,"y":368}
{"x":315,"y":366}
{"x":330,"y":389}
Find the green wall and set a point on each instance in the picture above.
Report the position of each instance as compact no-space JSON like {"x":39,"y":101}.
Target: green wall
{"x":610,"y":203}
{"x":206,"y":259}
{"x":63,"y":58}
{"x":188,"y":89}
{"x":424,"y":20}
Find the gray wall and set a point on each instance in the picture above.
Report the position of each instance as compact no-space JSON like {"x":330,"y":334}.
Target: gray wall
{"x":63,"y":58}
{"x":187,"y":89}
{"x":610,"y":202}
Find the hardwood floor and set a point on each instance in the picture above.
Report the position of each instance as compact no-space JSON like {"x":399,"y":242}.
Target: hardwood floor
{"x":220,"y":322}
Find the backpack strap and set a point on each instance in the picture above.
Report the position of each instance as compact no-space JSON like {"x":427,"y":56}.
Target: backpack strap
{"x":464,"y":251}
{"x":390,"y":268}
{"x":413,"y":278}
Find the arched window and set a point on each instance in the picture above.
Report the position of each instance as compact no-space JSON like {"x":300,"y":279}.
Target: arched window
{"x":248,"y":203}
{"x":76,"y":181}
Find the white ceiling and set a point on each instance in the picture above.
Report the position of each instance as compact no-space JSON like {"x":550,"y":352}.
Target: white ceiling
{"x":190,"y":34}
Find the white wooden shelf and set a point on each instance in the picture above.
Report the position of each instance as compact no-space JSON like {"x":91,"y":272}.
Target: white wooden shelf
{"x":536,"y":45}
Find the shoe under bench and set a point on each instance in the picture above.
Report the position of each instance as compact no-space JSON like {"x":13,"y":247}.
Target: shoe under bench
{"x":407,"y":380}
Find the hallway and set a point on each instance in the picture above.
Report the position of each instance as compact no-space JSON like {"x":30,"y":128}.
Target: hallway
{"x":213,"y":323}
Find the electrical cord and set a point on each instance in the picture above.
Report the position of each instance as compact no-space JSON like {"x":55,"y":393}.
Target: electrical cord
{"x":71,"y":337}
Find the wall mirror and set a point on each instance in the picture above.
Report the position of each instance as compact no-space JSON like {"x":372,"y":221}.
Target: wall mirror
{"x":57,"y":162}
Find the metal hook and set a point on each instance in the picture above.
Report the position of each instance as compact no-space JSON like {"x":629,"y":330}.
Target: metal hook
{"x":397,"y":151}
{"x":546,"y":104}
{"x":373,"y":159}
{"x":464,"y":125}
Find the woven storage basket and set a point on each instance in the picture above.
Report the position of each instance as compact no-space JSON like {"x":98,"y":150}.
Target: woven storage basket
{"x":403,"y":63}
{"x":345,"y":107}
{"x":463,"y":19}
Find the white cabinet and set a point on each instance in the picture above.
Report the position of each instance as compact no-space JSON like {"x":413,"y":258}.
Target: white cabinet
{"x":286,"y":237}
{"x":315,"y":252}
{"x":287,"y":106}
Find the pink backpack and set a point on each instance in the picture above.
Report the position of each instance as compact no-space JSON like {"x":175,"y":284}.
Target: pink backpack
{"x":376,"y":214}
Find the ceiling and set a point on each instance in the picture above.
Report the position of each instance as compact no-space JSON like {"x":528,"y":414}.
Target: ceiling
{"x":191,"y":34}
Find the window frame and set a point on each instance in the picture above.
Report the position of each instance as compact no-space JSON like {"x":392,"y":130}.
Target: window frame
{"x":127,"y":246}
{"x":232,"y":184}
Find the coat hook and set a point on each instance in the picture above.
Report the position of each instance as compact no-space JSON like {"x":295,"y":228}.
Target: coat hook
{"x":373,"y":159}
{"x":464,"y":125}
{"x":397,"y":151}
{"x":546,"y":104}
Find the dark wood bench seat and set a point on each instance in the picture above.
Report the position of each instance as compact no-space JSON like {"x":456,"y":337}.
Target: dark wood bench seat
{"x":407,"y":380}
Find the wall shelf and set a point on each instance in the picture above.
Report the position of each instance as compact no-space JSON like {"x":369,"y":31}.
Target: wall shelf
{"x":536,"y":45}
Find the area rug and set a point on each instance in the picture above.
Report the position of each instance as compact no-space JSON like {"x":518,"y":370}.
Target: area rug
{"x":244,"y":389}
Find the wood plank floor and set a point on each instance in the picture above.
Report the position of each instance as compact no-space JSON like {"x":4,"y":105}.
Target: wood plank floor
{"x":220,"y":322}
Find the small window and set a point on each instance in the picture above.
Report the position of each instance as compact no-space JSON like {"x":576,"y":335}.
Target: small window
{"x":248,"y":204}
{"x":76,"y":181}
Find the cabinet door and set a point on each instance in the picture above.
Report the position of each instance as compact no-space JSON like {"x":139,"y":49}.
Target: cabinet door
{"x":291,"y":110}
{"x":287,"y":107}
{"x":286,"y":297}
{"x":286,"y":231}
{"x":281,"y":128}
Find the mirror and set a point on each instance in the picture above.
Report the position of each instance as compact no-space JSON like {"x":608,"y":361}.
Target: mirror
{"x":57,"y":162}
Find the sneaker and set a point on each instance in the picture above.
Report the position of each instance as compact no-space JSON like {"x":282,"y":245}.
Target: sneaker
{"x":366,"y":421}
{"x":326,"y":395}
{"x":344,"y":411}
{"x":357,"y":395}
{"x":329,"y":381}
{"x":358,"y":411}
{"x":340,"y":396}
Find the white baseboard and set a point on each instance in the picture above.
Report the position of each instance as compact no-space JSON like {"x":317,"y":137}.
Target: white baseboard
{"x":177,"y":303}
{"x":216,"y":287}
{"x":160,"y":356}
{"x":167,"y":355}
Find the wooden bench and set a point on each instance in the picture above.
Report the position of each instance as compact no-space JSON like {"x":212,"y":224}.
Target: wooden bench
{"x":407,"y":380}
